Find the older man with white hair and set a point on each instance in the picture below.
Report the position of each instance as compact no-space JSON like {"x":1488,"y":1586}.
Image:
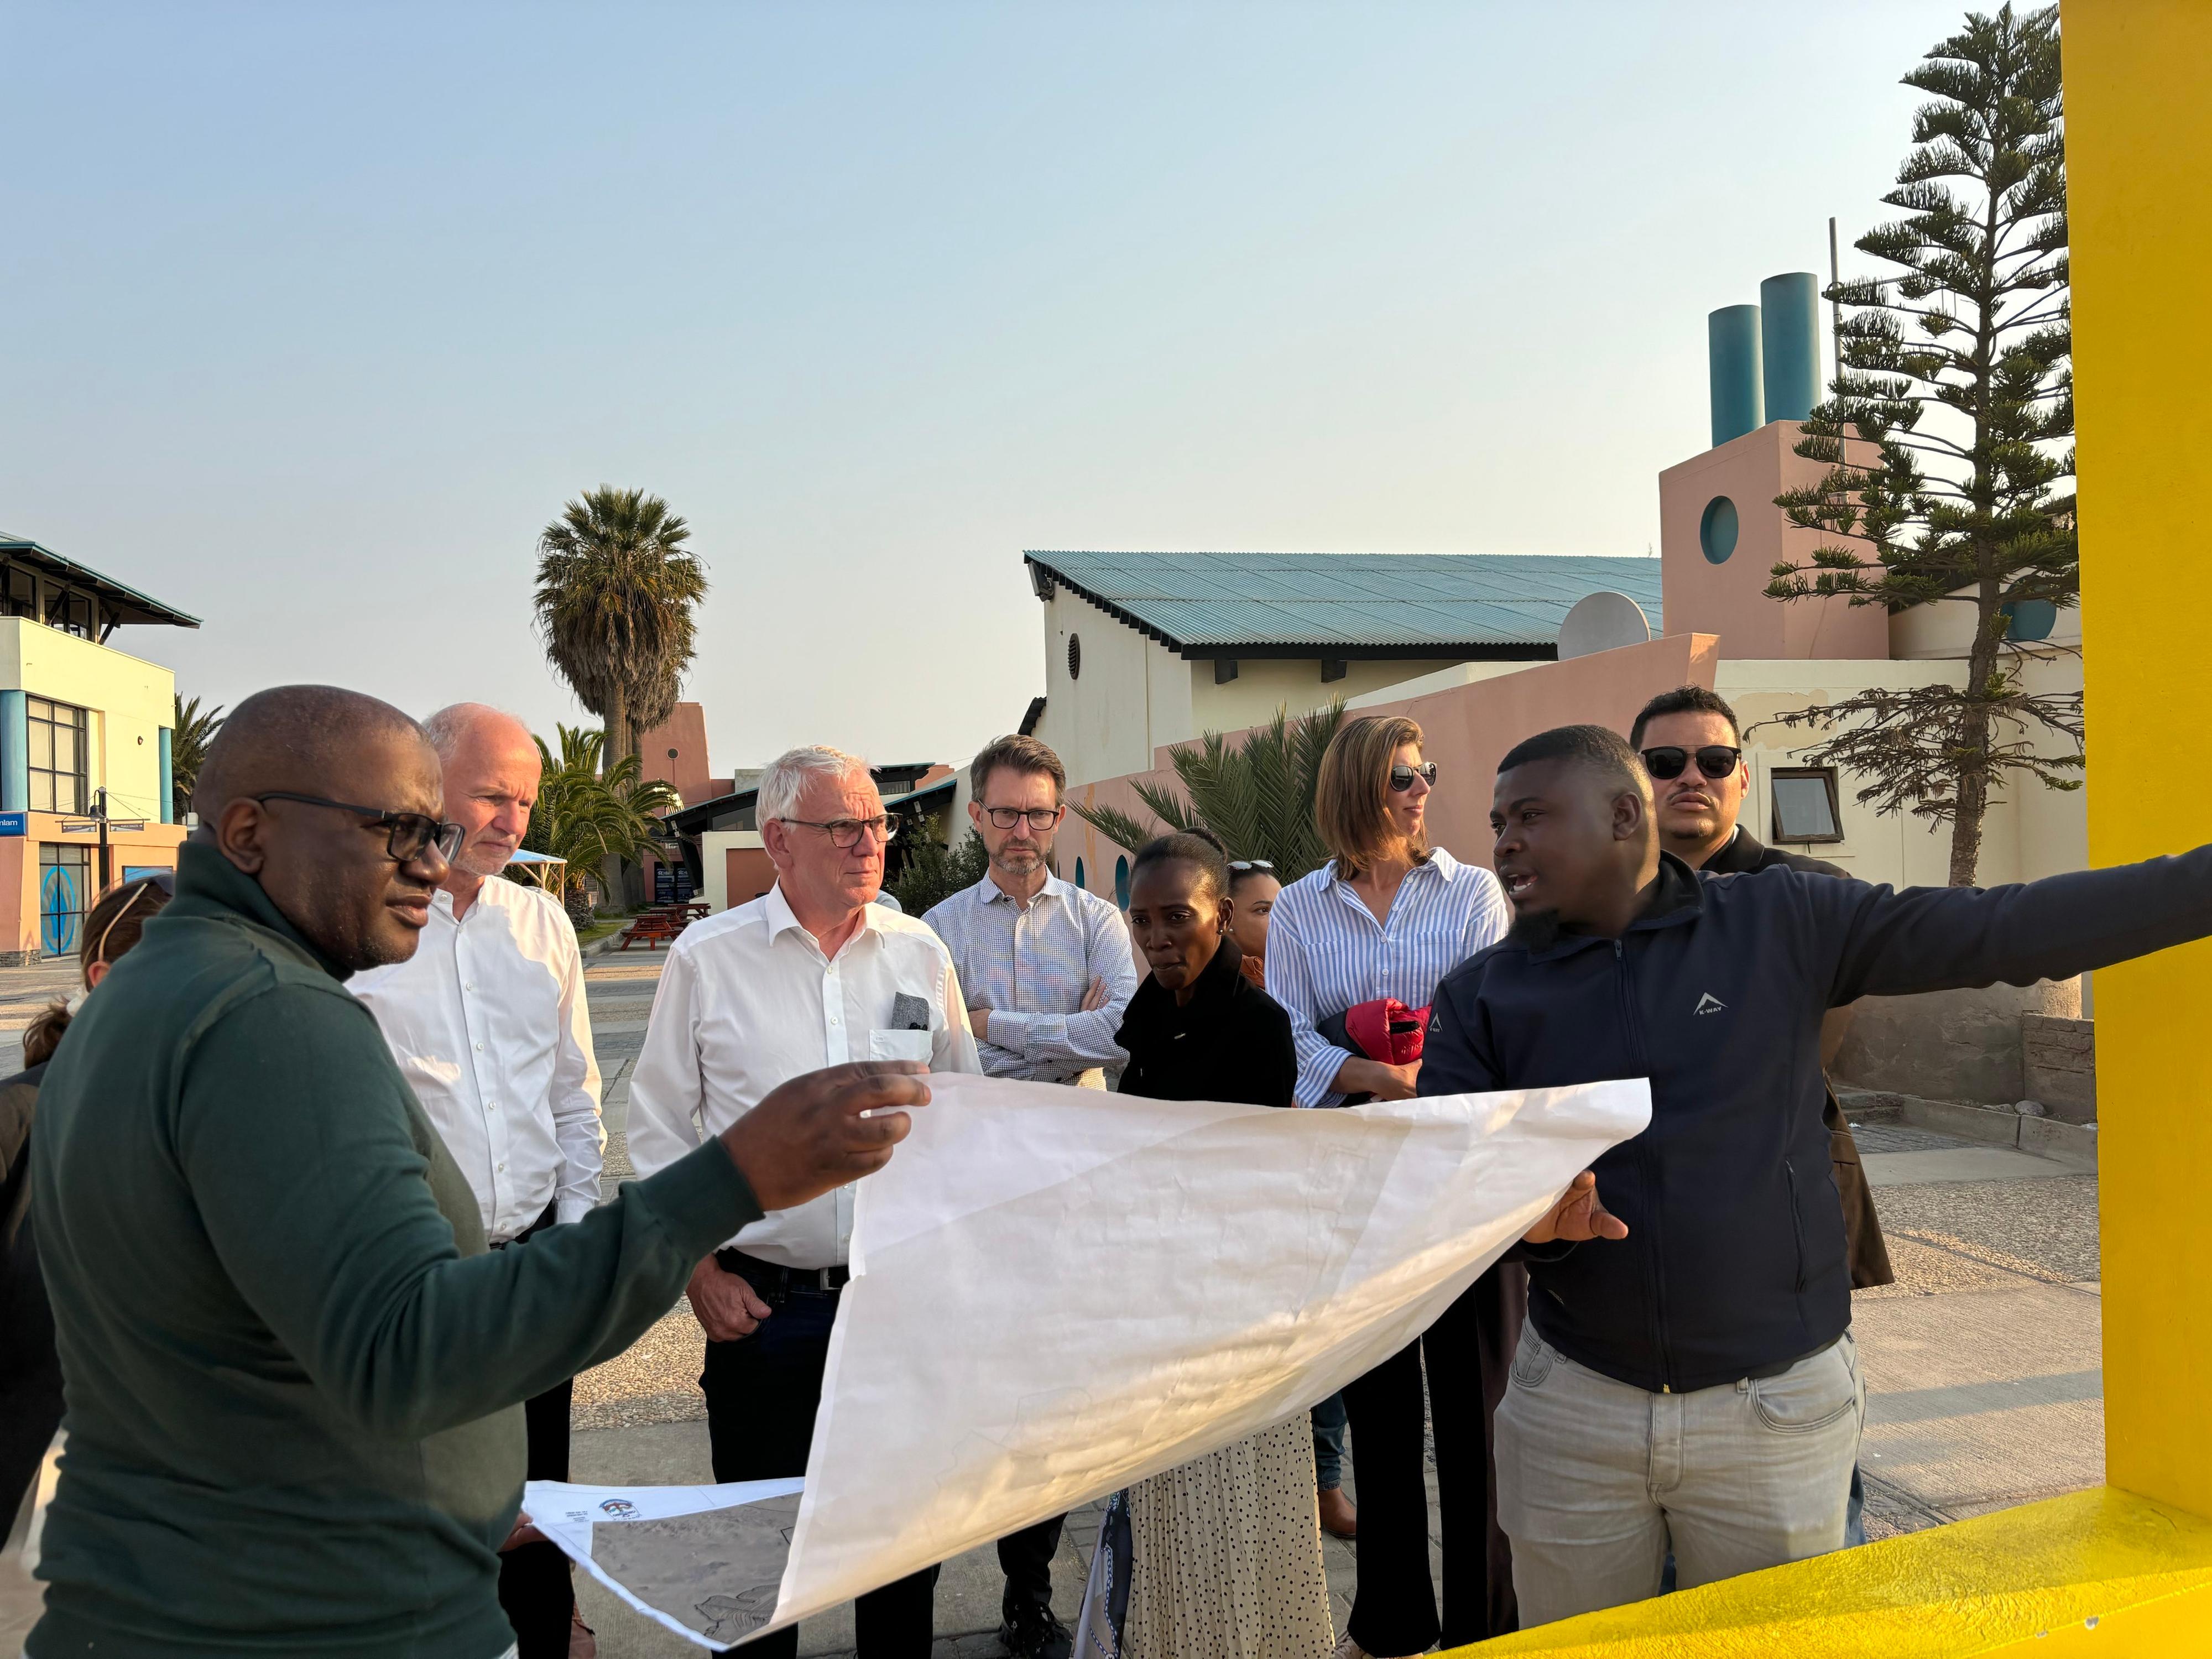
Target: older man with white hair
{"x":811,"y":973}
{"x":489,"y":1023}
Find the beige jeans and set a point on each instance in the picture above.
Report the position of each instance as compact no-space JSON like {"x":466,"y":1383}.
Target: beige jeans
{"x":1597,"y":1479}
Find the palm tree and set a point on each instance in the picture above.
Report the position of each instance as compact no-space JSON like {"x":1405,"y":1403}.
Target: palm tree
{"x":190,"y":733}
{"x":615,"y":591}
{"x":585,"y":815}
{"x":1258,"y":797}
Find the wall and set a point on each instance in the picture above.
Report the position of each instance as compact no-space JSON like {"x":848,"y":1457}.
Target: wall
{"x":733,"y":862}
{"x":1469,"y":728}
{"x":1728,"y":598}
{"x":1262,"y":685}
{"x":1134,"y":694}
{"x":685,"y":731}
{"x":1131,"y":688}
{"x":1951,"y":1045}
{"x":154,"y":847}
{"x":131,"y":700}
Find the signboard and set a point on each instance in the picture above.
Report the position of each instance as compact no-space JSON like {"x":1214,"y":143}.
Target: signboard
{"x":664,"y":884}
{"x":15,"y":823}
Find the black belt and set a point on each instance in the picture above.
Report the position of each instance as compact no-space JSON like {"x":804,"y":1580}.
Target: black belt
{"x":774,"y":1282}
{"x":532,"y":1230}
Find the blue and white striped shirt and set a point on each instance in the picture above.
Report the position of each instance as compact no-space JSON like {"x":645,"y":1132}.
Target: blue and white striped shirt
{"x":1326,"y":951}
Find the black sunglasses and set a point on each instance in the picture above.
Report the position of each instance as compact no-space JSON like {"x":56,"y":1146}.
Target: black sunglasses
{"x":1716,"y":761}
{"x":1402,"y":776}
{"x":411,"y":833}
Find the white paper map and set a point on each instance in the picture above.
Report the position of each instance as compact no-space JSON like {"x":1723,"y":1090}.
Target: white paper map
{"x":704,"y":1561}
{"x":1059,"y":1291}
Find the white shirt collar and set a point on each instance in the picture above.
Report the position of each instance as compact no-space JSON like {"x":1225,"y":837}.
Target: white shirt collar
{"x":441,"y":901}
{"x":1446,"y":867}
{"x":777,"y":910}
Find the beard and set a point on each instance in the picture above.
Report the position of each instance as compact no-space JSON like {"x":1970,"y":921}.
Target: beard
{"x":483,"y":862}
{"x":1020,"y":861}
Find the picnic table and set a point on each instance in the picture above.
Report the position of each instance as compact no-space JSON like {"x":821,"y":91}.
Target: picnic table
{"x":660,"y":925}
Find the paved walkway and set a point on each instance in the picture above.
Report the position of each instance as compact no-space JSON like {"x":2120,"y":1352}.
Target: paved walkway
{"x":1982,"y":1367}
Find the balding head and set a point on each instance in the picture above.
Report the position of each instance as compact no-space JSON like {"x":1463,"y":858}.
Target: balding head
{"x":301,"y":738}
{"x":325,"y":863}
{"x":492,"y":767}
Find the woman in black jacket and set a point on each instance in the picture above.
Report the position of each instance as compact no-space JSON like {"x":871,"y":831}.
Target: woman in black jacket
{"x":1227,"y":1547}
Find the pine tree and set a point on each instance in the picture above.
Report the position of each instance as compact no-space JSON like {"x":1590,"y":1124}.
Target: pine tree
{"x":1956,"y":387}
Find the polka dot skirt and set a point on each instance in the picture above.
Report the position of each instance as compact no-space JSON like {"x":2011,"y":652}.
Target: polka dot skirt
{"x":1227,"y":1556}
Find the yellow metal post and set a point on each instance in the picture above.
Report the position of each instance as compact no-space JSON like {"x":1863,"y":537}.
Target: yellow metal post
{"x":2139,"y":140}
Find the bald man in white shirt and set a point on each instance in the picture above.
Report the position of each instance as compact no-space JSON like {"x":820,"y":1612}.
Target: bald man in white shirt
{"x":811,"y":973}
{"x":489,"y":1023}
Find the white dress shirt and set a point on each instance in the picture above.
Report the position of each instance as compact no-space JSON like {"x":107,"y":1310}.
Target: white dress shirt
{"x":489,"y":1023}
{"x":1031,"y":966}
{"x":748,"y":1001}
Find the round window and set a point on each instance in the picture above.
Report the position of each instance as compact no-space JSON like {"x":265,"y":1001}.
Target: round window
{"x":1716,"y":529}
{"x":2029,"y":620}
{"x":1075,"y":656}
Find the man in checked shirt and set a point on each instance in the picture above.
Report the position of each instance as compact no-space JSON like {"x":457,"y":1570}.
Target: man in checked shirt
{"x":1047,"y":971}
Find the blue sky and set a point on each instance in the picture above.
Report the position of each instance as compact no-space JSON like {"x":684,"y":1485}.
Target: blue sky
{"x":316,"y":314}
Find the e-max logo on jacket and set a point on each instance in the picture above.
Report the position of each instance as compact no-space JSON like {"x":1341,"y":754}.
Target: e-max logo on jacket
{"x":1709,"y":1004}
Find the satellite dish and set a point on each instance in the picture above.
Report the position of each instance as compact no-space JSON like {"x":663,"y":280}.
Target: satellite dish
{"x":1603,"y":621}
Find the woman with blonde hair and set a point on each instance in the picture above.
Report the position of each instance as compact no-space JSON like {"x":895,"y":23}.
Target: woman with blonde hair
{"x":30,"y":1374}
{"x":1355,"y":951}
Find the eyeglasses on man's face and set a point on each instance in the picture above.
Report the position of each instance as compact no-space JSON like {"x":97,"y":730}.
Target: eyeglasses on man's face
{"x":1040,"y":818}
{"x":409,"y":834}
{"x":1402,"y":776}
{"x":1715,"y":761}
{"x":846,"y":832}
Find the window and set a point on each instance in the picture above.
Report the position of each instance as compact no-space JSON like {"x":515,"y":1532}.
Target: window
{"x":1805,"y":804}
{"x":1122,"y":883}
{"x":60,"y":745}
{"x":1075,"y":656}
{"x":1716,"y":529}
{"x":64,"y":872}
{"x":21,"y":597}
{"x":70,"y":612}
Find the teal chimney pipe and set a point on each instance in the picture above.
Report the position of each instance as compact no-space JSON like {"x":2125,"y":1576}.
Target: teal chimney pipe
{"x":1789,"y":341}
{"x":1732,"y":347}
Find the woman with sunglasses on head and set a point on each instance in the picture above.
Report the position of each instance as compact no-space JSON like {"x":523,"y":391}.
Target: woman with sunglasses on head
{"x":1226,"y":1549}
{"x":1253,"y":886}
{"x":30,"y":1375}
{"x":1360,"y":944}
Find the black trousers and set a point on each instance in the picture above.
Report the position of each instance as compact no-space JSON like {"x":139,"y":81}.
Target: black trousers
{"x":761,"y":1392}
{"x":1469,"y":1355}
{"x":1025,"y":1557}
{"x":535,"y":1590}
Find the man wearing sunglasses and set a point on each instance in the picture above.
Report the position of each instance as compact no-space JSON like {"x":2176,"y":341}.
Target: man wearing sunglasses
{"x":296,"y":1370}
{"x":1690,"y":743}
{"x":1049,"y":971}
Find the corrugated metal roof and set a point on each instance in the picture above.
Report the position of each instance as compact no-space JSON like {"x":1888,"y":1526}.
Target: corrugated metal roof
{"x":1429,"y":601}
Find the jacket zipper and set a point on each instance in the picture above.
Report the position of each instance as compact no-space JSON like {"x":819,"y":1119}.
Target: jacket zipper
{"x":1642,"y":1062}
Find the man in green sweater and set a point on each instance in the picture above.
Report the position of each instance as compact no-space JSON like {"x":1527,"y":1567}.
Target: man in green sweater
{"x":294,"y":1371}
